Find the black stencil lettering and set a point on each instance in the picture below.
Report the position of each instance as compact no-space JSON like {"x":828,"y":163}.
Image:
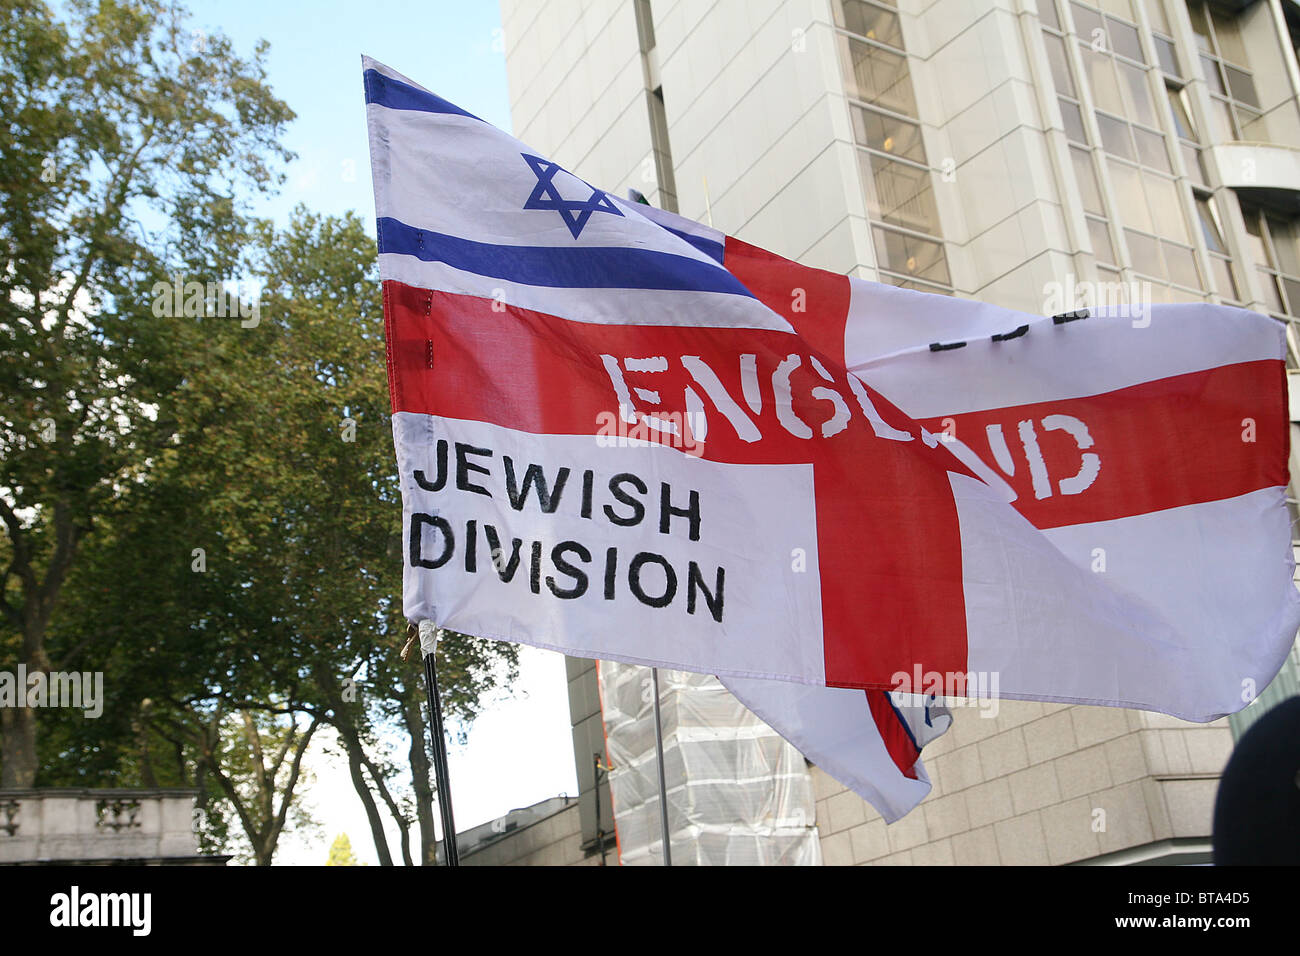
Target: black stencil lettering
{"x":638,"y":507}
{"x":437,"y":485}
{"x":611,"y":568}
{"x":418,"y":521}
{"x":666,"y":510}
{"x":464,"y":467}
{"x":634,"y":579}
{"x":471,"y":546}
{"x":535,"y":569}
{"x":695,"y":582}
{"x":506,"y":570}
{"x":534,"y":478}
{"x":587,"y":478}
{"x":564,"y":567}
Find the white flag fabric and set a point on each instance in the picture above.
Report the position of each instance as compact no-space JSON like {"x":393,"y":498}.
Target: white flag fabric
{"x":870,"y":741}
{"x":623,"y":439}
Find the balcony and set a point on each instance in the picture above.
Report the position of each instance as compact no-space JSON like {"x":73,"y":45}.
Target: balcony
{"x":99,"y":826}
{"x":1267,"y":173}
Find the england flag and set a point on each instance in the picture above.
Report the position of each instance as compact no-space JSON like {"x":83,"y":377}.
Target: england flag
{"x":624,"y":435}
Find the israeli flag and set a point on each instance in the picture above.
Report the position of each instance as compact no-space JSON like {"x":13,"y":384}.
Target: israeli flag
{"x":460,"y":202}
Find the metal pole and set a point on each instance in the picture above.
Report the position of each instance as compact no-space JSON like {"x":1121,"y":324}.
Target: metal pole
{"x":600,"y":831}
{"x":429,"y":647}
{"x":663,"y":785}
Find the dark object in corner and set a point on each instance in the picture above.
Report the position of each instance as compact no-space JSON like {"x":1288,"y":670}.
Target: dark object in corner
{"x":1257,"y":811}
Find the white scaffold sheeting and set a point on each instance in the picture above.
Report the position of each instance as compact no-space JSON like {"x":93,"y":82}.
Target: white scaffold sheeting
{"x":738,"y":793}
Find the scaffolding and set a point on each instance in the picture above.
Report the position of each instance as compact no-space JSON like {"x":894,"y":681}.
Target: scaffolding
{"x":738,"y":793}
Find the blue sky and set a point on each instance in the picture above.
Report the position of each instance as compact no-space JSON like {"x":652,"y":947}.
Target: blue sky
{"x":314,"y":65}
{"x":520,"y":750}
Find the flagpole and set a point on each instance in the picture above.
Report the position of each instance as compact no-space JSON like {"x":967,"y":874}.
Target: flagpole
{"x":441,"y":771}
{"x":663,"y":785}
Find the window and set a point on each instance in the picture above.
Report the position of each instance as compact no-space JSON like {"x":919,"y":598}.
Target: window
{"x":1118,"y":79}
{"x":1154,"y":228}
{"x":911,"y":257}
{"x":1207,"y":215}
{"x":889,"y":134}
{"x":880,"y":77}
{"x":896,"y":174}
{"x":1233,"y":99}
{"x":1047,"y":13}
{"x":1161,"y":33}
{"x":872,"y":21}
{"x":1185,"y":129}
{"x":1088,"y":24}
{"x":1060,"y":67}
{"x":1150,"y":206}
{"x":1115,"y":138}
{"x":1072,"y":117}
{"x":1182,"y":117}
{"x":1275,"y":248}
{"x":1081,"y":156}
{"x":1167,"y":55}
{"x":1136,"y":110}
{"x":1100,"y":71}
{"x":1124,"y":39}
{"x":899,"y":193}
{"x":1137,"y":96}
{"x":1100,"y":236}
{"x":1087,"y":180}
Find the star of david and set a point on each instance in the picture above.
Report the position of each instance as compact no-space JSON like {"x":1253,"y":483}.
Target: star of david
{"x":574,"y":212}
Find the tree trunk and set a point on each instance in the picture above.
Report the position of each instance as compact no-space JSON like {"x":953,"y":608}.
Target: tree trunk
{"x":350,"y":737}
{"x":264,"y":850}
{"x":18,"y":756}
{"x":18,"y":749}
{"x":140,"y":727}
{"x":353,"y":747}
{"x":420,"y":770}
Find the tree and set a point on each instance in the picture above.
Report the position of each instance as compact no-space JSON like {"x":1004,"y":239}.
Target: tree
{"x":282,"y":472}
{"x":341,"y":852}
{"x":129,"y":148}
{"x":255,"y":759}
{"x":324,"y":302}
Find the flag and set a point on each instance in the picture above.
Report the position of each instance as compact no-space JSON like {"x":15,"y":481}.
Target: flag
{"x":654,"y":443}
{"x":870,"y":741}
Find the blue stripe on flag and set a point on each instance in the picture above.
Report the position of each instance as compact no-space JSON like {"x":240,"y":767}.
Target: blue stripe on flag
{"x":907,"y":729}
{"x":574,"y":267}
{"x":714,"y":250}
{"x":385,"y":91}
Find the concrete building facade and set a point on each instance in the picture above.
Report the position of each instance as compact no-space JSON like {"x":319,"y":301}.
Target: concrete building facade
{"x":1026,"y":153}
{"x":546,"y":834}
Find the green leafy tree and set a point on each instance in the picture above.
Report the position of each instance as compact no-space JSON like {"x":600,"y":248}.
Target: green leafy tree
{"x":283,"y":475}
{"x":255,"y":759}
{"x":127,"y":152}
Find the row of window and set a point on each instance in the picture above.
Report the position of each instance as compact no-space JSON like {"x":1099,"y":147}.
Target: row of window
{"x":1130,"y":131}
{"x":1155,"y":218}
{"x":895,"y":172}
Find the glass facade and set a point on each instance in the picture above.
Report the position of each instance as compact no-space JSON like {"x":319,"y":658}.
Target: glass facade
{"x":1145,"y":145}
{"x":896,"y":175}
{"x":1221,"y":53}
{"x":1274,"y":248}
